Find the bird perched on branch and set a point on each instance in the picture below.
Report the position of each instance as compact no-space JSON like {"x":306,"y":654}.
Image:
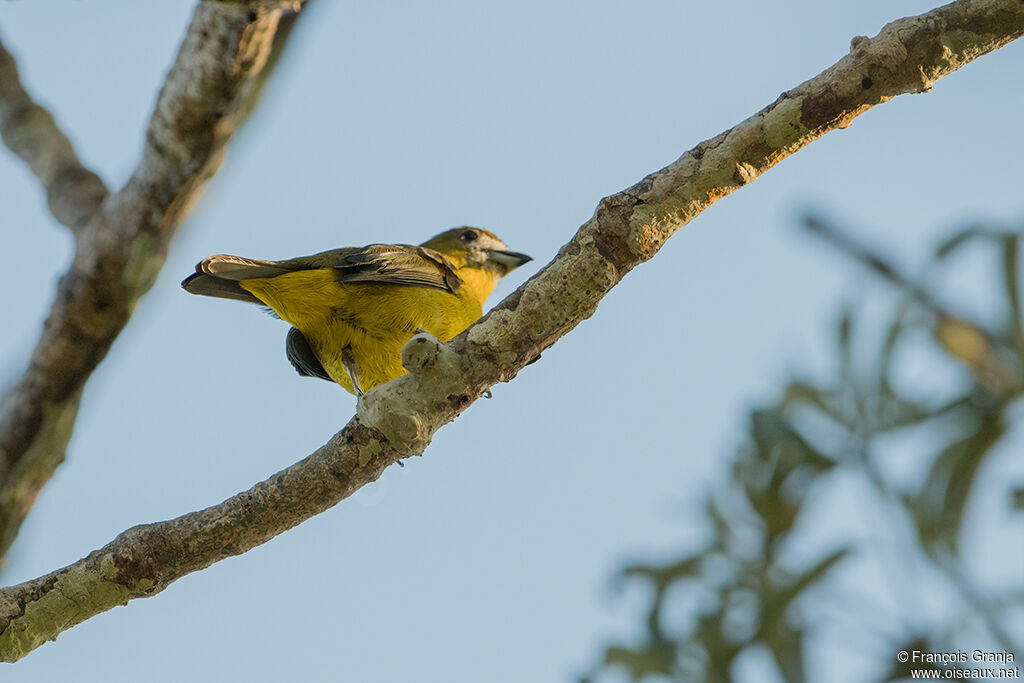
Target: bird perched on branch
{"x":353,"y":309}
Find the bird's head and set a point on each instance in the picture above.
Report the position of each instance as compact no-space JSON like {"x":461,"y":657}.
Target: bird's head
{"x":476,"y":247}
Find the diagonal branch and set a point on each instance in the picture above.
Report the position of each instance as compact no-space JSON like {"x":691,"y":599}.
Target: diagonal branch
{"x":119,"y":250}
{"x":73,"y":191}
{"x":398,"y":419}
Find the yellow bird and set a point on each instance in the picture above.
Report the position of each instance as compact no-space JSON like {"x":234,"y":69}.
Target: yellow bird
{"x":353,"y":309}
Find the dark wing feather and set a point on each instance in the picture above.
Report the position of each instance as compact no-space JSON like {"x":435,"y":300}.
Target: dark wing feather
{"x":399,"y":264}
{"x":302,"y":357}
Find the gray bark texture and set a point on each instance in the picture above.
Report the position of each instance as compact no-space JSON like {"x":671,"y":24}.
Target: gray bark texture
{"x":398,"y":419}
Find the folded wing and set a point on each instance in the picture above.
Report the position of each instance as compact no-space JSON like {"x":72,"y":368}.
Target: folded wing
{"x":399,"y":264}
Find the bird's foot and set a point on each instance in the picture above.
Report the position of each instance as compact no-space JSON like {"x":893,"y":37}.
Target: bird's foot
{"x":349,"y":361}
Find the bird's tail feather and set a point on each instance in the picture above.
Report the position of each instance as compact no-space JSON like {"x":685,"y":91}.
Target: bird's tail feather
{"x":208,"y":285}
{"x":219,"y":276}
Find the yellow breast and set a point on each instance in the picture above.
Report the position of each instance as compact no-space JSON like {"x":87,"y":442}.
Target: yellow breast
{"x":374,"y":320}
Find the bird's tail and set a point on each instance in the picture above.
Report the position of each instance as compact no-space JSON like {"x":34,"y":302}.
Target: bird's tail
{"x":219,"y":276}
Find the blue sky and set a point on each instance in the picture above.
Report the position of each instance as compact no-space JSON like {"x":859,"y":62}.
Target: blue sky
{"x":490,"y":558}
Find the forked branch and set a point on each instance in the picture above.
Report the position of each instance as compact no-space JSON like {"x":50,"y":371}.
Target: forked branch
{"x":120,"y":239}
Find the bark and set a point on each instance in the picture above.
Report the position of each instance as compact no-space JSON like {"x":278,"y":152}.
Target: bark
{"x":121,"y":239}
{"x":398,"y":419}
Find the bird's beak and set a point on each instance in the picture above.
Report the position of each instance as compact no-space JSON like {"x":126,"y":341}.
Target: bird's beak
{"x":509,"y":259}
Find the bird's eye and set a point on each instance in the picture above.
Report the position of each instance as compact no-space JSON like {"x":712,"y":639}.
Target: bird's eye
{"x":468,"y":235}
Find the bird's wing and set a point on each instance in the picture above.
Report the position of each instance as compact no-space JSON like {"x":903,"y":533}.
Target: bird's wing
{"x":399,"y":264}
{"x":302,"y":357}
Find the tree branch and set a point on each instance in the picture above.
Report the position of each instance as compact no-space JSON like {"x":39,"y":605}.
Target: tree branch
{"x":398,"y":419}
{"x":121,"y":247}
{"x":73,"y":191}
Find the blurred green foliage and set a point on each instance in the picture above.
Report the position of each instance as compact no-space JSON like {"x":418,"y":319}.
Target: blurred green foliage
{"x":761,"y":584}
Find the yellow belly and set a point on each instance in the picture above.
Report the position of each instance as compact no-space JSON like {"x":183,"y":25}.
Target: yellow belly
{"x":374,"y":320}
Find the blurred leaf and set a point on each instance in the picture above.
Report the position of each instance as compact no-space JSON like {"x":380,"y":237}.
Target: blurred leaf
{"x":812,"y":575}
{"x":847,"y":394}
{"x":843,"y":334}
{"x":940,"y":505}
{"x":786,"y":644}
{"x":654,"y":659}
{"x":965,"y":342}
{"x":661,"y":577}
{"x":797,"y":392}
{"x":720,"y":522}
{"x":892,"y":336}
{"x":779,"y":595}
{"x":958,"y":239}
{"x":906,"y":414}
{"x":1011,"y":286}
{"x":776,"y":435}
{"x":802,"y":394}
{"x":720,"y":651}
{"x":1018,"y":498}
{"x":1009,"y":600}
